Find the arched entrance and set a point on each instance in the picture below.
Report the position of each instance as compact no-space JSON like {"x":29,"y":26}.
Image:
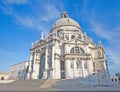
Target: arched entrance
{"x":62,"y":68}
{"x":42,"y":65}
{"x":2,"y":78}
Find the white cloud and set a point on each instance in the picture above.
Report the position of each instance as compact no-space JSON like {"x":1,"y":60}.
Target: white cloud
{"x":6,"y":53}
{"x":27,"y":21}
{"x":109,"y":33}
{"x":37,"y":18}
{"x":51,"y":12}
{"x":118,"y":13}
{"x":5,"y":9}
{"x":102,"y":31}
{"x":114,"y":59}
{"x":112,"y":37}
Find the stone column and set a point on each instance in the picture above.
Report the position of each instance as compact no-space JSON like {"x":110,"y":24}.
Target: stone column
{"x":73,"y":61}
{"x":74,"y":68}
{"x":67,"y":68}
{"x":105,"y":68}
{"x":90,"y":67}
{"x":57,"y":69}
{"x":37,"y":64}
{"x":29,"y":71}
{"x":53,"y":66}
{"x":33,"y":74}
{"x":83,"y":70}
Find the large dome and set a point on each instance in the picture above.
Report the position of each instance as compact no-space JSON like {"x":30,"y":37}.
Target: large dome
{"x":65,"y":21}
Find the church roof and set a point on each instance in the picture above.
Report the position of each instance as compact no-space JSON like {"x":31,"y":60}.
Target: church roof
{"x":65,"y":21}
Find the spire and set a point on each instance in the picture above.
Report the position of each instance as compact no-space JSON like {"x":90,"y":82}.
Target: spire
{"x":99,"y":43}
{"x":64,"y":15}
{"x":85,"y":33}
{"x":42,"y":36}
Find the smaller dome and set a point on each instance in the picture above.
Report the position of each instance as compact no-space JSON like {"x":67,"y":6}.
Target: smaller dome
{"x":65,"y":21}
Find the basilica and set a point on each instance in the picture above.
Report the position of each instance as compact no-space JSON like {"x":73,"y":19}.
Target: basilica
{"x":66,"y":53}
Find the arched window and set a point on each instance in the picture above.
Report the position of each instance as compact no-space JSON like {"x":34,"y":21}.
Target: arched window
{"x":50,"y":50}
{"x":77,"y":50}
{"x":62,"y":65}
{"x":58,"y":33}
{"x":72,"y":37}
{"x":99,"y":53}
{"x":42,"y":65}
{"x":2,"y":78}
{"x":50,"y":61}
{"x":79,"y":36}
{"x":81,"y":51}
{"x":72,"y":65}
{"x":113,"y":80}
{"x":72,"y":51}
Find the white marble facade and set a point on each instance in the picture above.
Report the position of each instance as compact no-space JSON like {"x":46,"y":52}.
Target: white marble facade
{"x":18,"y":71}
{"x":66,"y":53}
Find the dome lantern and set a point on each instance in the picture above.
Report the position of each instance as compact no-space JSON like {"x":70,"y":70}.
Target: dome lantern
{"x":64,"y":15}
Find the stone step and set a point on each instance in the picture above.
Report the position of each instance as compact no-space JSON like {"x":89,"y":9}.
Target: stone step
{"x":71,"y":83}
{"x":49,"y":83}
{"x":80,"y":83}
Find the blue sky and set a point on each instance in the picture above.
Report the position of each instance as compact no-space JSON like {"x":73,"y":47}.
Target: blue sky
{"x":22,"y":21}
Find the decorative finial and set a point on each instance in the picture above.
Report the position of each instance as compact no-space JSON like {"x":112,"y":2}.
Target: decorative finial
{"x":42,"y":36}
{"x":32,"y":44}
{"x":36,"y":42}
{"x":46,"y":36}
{"x":99,"y":43}
{"x":85,"y":33}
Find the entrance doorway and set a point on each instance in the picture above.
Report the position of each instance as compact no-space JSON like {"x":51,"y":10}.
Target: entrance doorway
{"x":62,"y":68}
{"x":42,"y":65}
